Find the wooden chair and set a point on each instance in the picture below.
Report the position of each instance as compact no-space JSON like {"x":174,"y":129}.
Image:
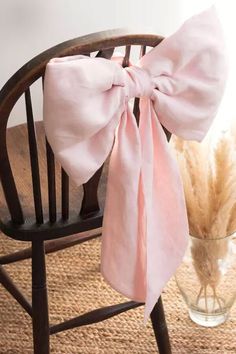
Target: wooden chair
{"x":65,"y":226}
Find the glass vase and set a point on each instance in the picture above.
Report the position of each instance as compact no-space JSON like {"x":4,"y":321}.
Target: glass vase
{"x":207,"y":279}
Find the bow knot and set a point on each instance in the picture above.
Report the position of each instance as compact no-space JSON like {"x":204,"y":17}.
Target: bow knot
{"x":138,"y":82}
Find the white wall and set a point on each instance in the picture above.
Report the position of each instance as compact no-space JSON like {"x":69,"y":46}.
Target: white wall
{"x":28,"y":27}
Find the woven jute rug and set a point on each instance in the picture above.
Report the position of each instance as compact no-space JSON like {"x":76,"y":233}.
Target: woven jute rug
{"x":75,"y":286}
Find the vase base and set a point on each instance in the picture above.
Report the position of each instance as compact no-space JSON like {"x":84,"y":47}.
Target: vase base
{"x":207,"y":320}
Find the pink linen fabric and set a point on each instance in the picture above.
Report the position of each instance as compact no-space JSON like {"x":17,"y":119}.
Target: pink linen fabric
{"x":180,"y":83}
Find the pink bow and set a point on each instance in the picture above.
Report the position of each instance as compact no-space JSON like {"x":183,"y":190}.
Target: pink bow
{"x":86,"y":114}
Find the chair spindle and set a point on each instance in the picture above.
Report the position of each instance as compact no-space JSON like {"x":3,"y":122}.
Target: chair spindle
{"x":64,"y":195}
{"x":34,"y":159}
{"x":125,"y":62}
{"x":51,"y":183}
{"x":136,"y":100}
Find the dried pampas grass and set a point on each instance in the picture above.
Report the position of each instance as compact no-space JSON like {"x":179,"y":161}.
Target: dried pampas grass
{"x":209,"y":178}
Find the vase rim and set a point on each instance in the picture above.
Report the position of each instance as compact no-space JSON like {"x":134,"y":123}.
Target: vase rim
{"x":213,"y":239}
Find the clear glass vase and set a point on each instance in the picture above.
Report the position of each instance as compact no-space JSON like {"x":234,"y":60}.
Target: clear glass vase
{"x":207,"y":279}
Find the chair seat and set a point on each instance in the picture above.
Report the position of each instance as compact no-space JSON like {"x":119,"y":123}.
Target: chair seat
{"x":17,"y":142}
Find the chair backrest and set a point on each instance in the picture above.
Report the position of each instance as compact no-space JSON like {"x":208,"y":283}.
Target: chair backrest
{"x":20,"y":223}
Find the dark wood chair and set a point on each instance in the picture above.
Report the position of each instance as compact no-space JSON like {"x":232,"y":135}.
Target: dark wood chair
{"x":60,"y":225}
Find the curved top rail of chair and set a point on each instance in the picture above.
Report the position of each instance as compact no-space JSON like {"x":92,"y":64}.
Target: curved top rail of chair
{"x":34,"y":68}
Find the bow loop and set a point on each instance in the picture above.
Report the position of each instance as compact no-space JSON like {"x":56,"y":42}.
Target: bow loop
{"x":189,"y":69}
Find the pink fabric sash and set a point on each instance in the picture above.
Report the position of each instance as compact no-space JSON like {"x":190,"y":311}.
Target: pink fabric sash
{"x":86,"y":114}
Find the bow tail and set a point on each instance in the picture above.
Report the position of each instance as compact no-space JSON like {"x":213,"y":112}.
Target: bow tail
{"x":166,"y":221}
{"x":141,"y":246}
{"x":123,"y":261}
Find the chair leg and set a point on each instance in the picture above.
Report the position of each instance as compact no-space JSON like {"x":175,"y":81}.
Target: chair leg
{"x":160,"y":328}
{"x":39,"y":299}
